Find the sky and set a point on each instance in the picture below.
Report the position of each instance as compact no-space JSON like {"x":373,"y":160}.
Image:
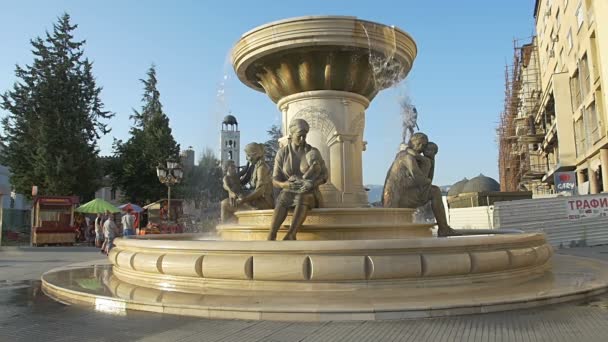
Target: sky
{"x":456,"y":83}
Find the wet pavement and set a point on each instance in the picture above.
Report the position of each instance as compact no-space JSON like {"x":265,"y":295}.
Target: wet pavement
{"x":26,"y":314}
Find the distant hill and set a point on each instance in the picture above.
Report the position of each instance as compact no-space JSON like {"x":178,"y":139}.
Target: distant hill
{"x":375,"y":192}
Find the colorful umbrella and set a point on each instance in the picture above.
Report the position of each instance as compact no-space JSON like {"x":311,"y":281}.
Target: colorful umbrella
{"x":97,"y":206}
{"x":133,"y":207}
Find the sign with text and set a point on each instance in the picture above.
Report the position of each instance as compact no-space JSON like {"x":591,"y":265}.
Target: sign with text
{"x":565,"y":182}
{"x":587,"y":207}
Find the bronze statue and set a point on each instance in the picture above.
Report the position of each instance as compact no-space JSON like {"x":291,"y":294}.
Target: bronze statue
{"x":299,"y":170}
{"x":256,"y":175}
{"x":408,"y":181}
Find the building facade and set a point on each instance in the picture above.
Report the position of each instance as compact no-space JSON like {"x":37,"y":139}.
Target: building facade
{"x":8,"y":198}
{"x":521,"y":163}
{"x":556,"y":107}
{"x":109,"y":193}
{"x":187,"y":159}
{"x":572,"y":44}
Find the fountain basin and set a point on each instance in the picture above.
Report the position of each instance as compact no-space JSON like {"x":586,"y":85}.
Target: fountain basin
{"x":572,"y":279}
{"x":194,"y":266}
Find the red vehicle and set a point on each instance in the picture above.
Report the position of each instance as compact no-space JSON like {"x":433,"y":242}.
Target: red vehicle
{"x":53,"y":220}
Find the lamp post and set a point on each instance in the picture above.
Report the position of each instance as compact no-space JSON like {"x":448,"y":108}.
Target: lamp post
{"x":13,"y":198}
{"x":170,"y":175}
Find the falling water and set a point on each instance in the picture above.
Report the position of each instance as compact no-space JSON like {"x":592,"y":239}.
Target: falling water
{"x":409,"y":117}
{"x":221,"y":97}
{"x":386,"y":70}
{"x":219,"y":108}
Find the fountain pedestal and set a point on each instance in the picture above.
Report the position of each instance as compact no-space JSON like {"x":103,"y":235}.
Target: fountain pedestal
{"x":337,"y":121}
{"x":331,"y":224}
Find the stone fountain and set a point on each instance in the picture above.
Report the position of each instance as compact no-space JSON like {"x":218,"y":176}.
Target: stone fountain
{"x":351,"y":261}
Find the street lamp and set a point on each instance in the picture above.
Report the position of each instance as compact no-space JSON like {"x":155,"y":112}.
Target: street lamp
{"x":13,"y":198}
{"x":170,"y":175}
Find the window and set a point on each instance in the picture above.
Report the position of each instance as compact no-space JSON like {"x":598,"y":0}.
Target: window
{"x":575,"y":91}
{"x":590,"y":15}
{"x":597,"y":106}
{"x":569,"y":38}
{"x":579,"y":137}
{"x":580,"y":15}
{"x":593,"y":131}
{"x":113,"y":195}
{"x":584,"y":77}
{"x":594,"y":58}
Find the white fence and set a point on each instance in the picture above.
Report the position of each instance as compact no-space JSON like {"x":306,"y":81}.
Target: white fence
{"x":550,"y":216}
{"x":472,"y":218}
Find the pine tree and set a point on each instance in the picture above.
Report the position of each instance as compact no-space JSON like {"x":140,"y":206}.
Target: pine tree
{"x":151,"y":143}
{"x":55,"y":117}
{"x":271,"y":146}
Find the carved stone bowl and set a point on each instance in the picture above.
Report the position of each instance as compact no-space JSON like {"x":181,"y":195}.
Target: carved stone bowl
{"x":323,"y":53}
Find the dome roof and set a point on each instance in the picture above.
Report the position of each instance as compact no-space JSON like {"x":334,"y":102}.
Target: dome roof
{"x":230,"y":120}
{"x":456,"y":188}
{"x":481,"y":183}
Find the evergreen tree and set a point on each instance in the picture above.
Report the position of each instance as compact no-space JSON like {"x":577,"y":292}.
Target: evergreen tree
{"x":271,"y":146}
{"x":55,"y":117}
{"x":151,"y":143}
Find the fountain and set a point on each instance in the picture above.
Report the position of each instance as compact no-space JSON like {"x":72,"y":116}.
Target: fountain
{"x":351,"y":261}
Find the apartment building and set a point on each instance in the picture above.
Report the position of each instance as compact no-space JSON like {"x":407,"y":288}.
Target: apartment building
{"x":572,"y":45}
{"x":556,"y":105}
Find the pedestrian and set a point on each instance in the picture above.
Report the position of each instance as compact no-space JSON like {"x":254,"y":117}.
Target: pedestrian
{"x":127,"y":222}
{"x":110,"y":231}
{"x":99,"y":231}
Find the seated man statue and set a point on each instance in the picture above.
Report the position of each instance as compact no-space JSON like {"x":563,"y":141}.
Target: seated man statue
{"x":408,"y":181}
{"x":299,"y":170}
{"x":256,"y":176}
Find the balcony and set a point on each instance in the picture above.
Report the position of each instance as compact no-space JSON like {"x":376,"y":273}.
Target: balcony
{"x":525,"y":135}
{"x":533,"y":171}
{"x":533,"y":166}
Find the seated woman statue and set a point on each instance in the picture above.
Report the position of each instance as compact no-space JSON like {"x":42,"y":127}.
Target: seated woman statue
{"x":298,"y":180}
{"x":408,"y":181}
{"x":256,"y":176}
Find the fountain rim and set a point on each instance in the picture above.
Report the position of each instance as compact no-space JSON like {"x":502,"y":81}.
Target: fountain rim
{"x":324,"y":17}
{"x":163,"y":241}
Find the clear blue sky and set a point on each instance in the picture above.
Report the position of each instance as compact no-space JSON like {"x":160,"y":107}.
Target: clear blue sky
{"x":457,"y":82}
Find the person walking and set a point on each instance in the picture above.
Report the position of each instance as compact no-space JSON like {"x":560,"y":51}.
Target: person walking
{"x":99,"y":231}
{"x":110,"y":231}
{"x":127,"y":222}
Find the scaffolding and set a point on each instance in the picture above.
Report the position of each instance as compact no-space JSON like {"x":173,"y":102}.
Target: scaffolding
{"x":519,"y":159}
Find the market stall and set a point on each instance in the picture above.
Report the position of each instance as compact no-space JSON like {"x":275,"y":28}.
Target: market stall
{"x":53,"y":220}
{"x":158,"y":221}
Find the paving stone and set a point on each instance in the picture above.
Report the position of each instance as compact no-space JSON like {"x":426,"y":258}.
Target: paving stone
{"x":26,"y":314}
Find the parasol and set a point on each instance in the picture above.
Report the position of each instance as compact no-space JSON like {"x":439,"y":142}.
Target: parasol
{"x":97,"y":206}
